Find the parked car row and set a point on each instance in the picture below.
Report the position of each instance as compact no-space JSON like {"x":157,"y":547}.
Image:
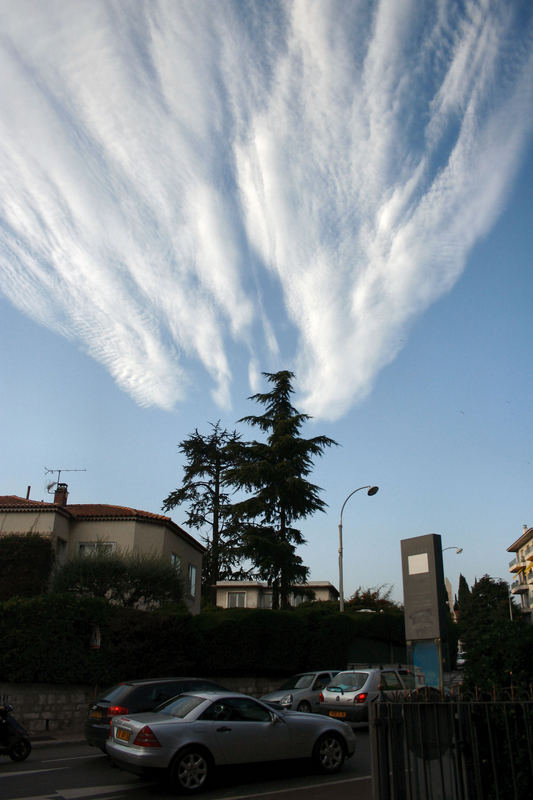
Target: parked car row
{"x":183,"y":728}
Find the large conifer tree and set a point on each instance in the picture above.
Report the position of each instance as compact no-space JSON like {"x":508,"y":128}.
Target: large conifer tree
{"x":208,"y":504}
{"x":274,"y":473}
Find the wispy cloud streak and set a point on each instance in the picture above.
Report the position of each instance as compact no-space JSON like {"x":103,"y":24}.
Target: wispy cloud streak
{"x":193,"y":181}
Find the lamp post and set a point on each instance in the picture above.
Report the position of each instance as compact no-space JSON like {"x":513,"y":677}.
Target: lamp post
{"x":371,"y":491}
{"x":453,"y":547}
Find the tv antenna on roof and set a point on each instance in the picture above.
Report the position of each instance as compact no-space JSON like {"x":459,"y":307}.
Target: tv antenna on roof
{"x":47,"y":471}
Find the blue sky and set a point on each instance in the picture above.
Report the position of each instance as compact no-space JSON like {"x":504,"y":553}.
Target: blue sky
{"x":193,"y":193}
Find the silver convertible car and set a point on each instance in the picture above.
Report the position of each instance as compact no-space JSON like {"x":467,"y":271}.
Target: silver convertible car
{"x":186,"y":738}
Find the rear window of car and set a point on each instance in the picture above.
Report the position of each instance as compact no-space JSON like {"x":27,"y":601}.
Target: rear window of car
{"x":117,"y":693}
{"x":348,"y":681}
{"x":182,"y":705}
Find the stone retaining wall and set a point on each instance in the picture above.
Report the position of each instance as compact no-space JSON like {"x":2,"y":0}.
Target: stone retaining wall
{"x":45,"y":708}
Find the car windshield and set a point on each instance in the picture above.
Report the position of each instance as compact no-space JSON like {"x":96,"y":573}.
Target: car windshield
{"x":181,"y":706}
{"x":348,"y":681}
{"x":298,"y":682}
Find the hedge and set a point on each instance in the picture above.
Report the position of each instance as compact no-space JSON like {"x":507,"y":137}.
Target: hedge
{"x":26,"y":560}
{"x":47,"y":639}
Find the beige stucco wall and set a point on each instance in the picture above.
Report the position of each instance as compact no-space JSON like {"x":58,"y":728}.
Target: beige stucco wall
{"x":253,"y":594}
{"x":121,"y":532}
{"x":27,"y":522}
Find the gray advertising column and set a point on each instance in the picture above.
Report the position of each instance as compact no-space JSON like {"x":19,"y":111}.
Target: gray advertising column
{"x":425,"y":605}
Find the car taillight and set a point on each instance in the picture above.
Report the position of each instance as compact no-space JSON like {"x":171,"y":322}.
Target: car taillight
{"x":321,"y":698}
{"x":361,"y":697}
{"x":146,"y":738}
{"x":116,"y":711}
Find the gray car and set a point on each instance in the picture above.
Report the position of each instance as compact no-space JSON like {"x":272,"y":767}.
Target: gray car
{"x":347,"y":697}
{"x":301,"y":692}
{"x":191,"y":735}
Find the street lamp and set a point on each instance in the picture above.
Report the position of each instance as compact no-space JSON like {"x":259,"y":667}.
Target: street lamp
{"x":371,"y":491}
{"x":453,"y":547}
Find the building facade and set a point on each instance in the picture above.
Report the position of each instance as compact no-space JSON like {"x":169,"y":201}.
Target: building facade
{"x":254,"y":594}
{"x":77,"y":529}
{"x":522,"y":568}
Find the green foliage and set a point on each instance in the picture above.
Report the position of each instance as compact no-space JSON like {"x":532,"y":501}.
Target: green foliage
{"x":464,"y":598}
{"x":375,"y":598}
{"x":127,"y":578}
{"x":274,"y":474}
{"x":499,"y":649}
{"x":26,"y":561}
{"x":47,"y":640}
{"x":208,"y":505}
{"x":142,"y":644}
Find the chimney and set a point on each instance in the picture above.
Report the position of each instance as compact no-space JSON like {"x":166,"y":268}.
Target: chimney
{"x":61,"y":494}
{"x":524,"y":528}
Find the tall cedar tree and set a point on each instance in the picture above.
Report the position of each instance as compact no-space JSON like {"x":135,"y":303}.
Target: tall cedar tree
{"x":207,"y":457}
{"x":275,"y":473}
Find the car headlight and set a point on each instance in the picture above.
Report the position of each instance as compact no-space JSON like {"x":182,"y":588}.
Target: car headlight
{"x":286,"y":700}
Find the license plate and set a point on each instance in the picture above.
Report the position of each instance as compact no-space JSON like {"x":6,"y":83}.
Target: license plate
{"x":96,"y":715}
{"x":338,"y":714}
{"x":122,"y":734}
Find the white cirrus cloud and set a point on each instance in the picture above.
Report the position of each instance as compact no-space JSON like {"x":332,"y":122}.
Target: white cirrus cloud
{"x":186,"y":181}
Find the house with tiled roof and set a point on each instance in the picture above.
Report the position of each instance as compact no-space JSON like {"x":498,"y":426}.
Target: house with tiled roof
{"x":81,"y":528}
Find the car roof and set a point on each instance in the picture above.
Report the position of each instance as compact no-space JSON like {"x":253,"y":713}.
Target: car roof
{"x":210,"y":694}
{"x":315,"y":672}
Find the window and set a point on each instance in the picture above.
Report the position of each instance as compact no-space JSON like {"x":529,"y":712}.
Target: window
{"x":236,"y":599}
{"x":175,"y":560}
{"x":192,"y":580}
{"x":88,"y":548}
{"x":322,"y":681}
{"x":267,"y":600}
{"x":61,"y":550}
{"x":390,"y":680}
{"x":237,"y":709}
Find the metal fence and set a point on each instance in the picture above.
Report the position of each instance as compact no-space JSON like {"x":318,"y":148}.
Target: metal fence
{"x":452,"y":750}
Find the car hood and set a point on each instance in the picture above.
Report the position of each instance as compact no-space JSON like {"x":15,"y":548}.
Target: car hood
{"x":277,"y":695}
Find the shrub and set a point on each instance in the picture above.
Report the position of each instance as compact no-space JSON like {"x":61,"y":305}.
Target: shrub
{"x":27,"y":560}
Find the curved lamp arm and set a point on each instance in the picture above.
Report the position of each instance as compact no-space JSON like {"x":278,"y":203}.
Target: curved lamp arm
{"x":371,"y":491}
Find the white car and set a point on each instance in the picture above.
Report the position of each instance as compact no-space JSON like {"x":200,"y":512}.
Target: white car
{"x":301,"y":692}
{"x":186,"y":738}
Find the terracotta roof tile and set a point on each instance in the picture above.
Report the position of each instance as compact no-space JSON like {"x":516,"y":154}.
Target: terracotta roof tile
{"x":101,"y":511}
{"x":94,"y":511}
{"x":12,"y":501}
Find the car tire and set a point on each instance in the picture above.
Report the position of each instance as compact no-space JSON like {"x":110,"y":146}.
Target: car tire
{"x":20,"y":750}
{"x":304,"y":706}
{"x":329,"y":753}
{"x":190,"y":771}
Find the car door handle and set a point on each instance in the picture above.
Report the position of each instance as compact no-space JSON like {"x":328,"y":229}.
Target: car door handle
{"x":224,"y":729}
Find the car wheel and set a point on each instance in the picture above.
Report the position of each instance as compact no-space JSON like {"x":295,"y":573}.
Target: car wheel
{"x":20,"y":750}
{"x":304,"y":706}
{"x":329,"y":753}
{"x":191,"y":770}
